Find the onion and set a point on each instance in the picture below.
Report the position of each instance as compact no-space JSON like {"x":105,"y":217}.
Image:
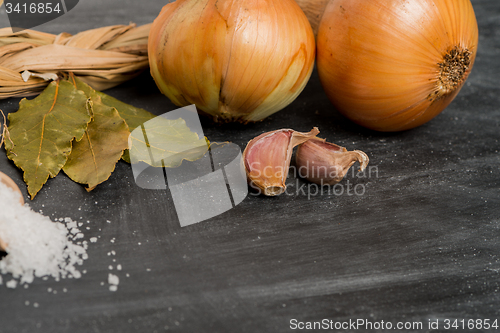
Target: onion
{"x":392,"y":65}
{"x":237,"y":60}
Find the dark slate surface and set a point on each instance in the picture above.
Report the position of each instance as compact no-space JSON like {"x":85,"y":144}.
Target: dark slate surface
{"x":421,"y":243}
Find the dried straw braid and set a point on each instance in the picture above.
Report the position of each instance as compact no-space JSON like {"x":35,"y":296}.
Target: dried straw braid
{"x":102,"y":57}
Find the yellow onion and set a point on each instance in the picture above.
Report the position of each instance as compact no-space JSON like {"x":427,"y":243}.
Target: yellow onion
{"x":392,"y":65}
{"x":237,"y":60}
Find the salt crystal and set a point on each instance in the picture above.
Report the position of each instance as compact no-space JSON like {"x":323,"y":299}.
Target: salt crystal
{"x":37,"y":247}
{"x":113,"y":288}
{"x":113,"y":279}
{"x":93,"y":239}
{"x":35,"y":305}
{"x":27,"y":303}
{"x":11,"y":284}
{"x":119,"y":267}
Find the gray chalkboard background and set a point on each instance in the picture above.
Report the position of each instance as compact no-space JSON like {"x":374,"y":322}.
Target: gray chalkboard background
{"x":421,"y":244}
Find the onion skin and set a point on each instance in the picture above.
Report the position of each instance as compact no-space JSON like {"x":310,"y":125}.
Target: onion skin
{"x":392,"y":65}
{"x":237,"y":60}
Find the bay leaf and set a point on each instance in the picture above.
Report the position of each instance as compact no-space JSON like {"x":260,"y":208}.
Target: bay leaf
{"x":171,"y":134}
{"x":165,"y":142}
{"x":133,"y":116}
{"x":93,"y":159}
{"x":42,"y":130}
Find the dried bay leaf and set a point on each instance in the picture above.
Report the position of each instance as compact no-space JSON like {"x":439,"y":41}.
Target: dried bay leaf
{"x":94,"y":158}
{"x":134,"y":117}
{"x":164,"y":142}
{"x":73,"y":127}
{"x":42,"y":130}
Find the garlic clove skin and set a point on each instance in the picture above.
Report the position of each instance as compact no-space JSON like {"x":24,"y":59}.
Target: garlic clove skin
{"x":267,"y":159}
{"x":326,"y":163}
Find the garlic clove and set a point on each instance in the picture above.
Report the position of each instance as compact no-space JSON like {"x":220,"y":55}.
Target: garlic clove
{"x":267,"y":159}
{"x":326,"y":163}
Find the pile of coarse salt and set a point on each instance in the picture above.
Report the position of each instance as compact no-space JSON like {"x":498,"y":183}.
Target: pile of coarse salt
{"x":36,"y":246}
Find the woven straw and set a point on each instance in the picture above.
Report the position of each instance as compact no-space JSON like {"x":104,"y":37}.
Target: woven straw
{"x":103,"y":57}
